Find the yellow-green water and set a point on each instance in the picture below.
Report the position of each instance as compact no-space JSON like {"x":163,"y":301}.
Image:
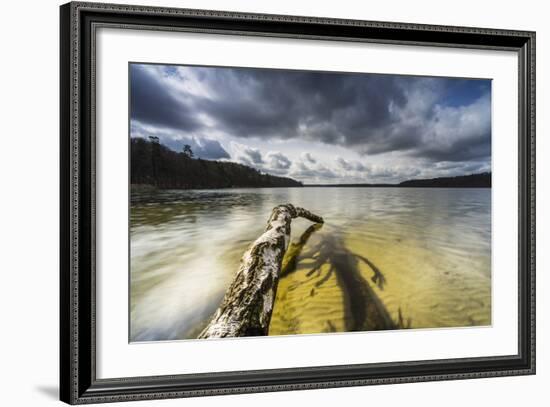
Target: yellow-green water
{"x":431,"y":249}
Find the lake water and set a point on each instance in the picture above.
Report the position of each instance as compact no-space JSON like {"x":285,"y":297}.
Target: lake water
{"x":422,"y":255}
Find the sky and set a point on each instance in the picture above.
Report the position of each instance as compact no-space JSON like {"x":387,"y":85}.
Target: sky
{"x":317,"y":127}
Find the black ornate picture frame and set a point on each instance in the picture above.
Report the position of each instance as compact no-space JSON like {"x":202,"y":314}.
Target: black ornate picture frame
{"x":78,"y":381}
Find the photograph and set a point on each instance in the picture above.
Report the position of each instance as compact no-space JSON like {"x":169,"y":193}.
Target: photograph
{"x":288,"y":202}
{"x":266,"y":200}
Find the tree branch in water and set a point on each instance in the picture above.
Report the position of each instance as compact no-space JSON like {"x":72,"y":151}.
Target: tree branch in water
{"x":248,"y":303}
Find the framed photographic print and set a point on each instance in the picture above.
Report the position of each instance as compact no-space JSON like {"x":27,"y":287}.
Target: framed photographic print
{"x":257,"y":203}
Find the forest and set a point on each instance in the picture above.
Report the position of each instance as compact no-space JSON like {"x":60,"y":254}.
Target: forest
{"x":152,"y":163}
{"x":482,"y":180}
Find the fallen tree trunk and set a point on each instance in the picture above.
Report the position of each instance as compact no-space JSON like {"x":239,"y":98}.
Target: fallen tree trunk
{"x":248,"y":303}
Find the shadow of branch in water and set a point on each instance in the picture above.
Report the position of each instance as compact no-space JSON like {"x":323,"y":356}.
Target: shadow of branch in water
{"x":378,"y":277}
{"x":363,"y":309}
{"x":290,"y":260}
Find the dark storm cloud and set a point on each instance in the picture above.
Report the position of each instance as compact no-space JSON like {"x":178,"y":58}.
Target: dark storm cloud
{"x":460,"y":150}
{"x":327,"y":107}
{"x":152,"y":103}
{"x":432,"y":118}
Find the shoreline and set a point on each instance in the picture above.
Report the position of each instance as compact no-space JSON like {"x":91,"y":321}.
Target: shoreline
{"x":141,"y":188}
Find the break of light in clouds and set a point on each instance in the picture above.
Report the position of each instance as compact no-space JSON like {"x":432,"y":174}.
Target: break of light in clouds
{"x":317,"y":127}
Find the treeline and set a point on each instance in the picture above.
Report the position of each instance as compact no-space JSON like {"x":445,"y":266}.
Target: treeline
{"x":152,"y":163}
{"x":482,"y":180}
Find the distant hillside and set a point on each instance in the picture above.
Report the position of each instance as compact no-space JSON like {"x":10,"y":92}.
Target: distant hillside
{"x":154,"y":164}
{"x":482,"y":180}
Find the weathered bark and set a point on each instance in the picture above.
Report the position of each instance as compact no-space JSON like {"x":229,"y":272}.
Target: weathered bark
{"x":248,"y":303}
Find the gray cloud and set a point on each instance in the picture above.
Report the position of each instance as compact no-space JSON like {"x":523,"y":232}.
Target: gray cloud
{"x":254,"y":154}
{"x":348,"y":165}
{"x":309,"y":158}
{"x":272,"y":162}
{"x":332,"y":108}
{"x":428,"y":119}
{"x":278,"y":161}
{"x":452,"y":168}
{"x":202,"y":147}
{"x":312,"y":173}
{"x":151,"y":102}
{"x":207,"y":149}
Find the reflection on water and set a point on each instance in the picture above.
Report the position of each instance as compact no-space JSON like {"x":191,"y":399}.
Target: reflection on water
{"x":385,"y":258}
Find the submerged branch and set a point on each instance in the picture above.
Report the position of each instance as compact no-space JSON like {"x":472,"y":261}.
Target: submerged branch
{"x":248,"y":303}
